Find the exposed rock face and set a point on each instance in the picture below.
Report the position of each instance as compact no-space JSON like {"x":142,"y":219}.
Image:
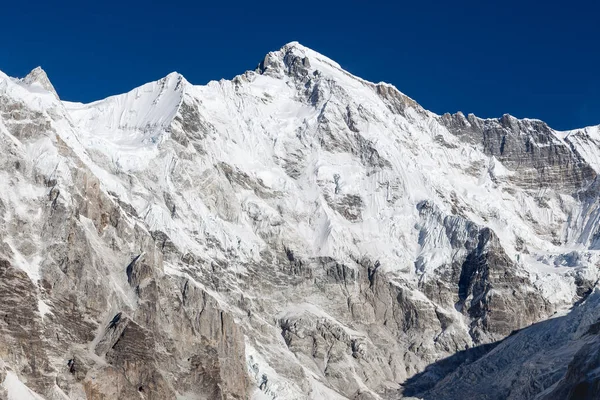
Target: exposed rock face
{"x":528,"y":147}
{"x":294,"y":233}
{"x":88,"y":311}
{"x":20,"y":326}
{"x":481,"y":274}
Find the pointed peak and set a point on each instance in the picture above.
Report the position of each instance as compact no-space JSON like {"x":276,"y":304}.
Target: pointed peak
{"x":174,"y":75}
{"x":294,"y":45}
{"x":38,"y":77}
{"x":296,"y":59}
{"x":37,"y":70}
{"x":300,"y":50}
{"x":174,"y":80}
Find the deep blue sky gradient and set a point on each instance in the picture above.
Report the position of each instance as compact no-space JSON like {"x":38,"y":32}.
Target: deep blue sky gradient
{"x":528,"y":58}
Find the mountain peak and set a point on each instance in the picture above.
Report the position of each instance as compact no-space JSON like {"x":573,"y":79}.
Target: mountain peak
{"x":295,"y":45}
{"x":297,"y":60}
{"x":38,"y":77}
{"x":137,"y":118}
{"x":173,"y":81}
{"x":300,"y":50}
{"x":174,"y":76}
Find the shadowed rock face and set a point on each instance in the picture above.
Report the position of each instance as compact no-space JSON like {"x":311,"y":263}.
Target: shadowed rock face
{"x":486,"y":274}
{"x":295,"y":233}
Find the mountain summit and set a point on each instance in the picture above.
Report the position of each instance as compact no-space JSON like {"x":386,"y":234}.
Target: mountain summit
{"x":38,"y":77}
{"x":293,"y":233}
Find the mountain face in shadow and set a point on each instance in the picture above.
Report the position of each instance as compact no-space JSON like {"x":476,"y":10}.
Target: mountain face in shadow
{"x":555,"y":359}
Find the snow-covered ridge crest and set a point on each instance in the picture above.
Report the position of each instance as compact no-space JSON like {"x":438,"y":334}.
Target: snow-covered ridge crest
{"x":321,"y":62}
{"x":139,"y":117}
{"x":128,"y":128}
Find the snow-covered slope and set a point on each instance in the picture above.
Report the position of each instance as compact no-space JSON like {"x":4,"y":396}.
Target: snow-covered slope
{"x":325,"y":235}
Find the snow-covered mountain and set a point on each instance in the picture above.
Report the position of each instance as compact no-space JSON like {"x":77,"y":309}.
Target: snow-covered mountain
{"x":294,"y":233}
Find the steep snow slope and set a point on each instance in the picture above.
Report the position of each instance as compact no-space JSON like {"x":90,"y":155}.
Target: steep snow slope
{"x":586,"y":142}
{"x":16,"y":390}
{"x":326,"y":235}
{"x":127,"y":128}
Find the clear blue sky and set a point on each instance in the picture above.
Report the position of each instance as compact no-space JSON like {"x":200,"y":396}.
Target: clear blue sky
{"x":537,"y":59}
